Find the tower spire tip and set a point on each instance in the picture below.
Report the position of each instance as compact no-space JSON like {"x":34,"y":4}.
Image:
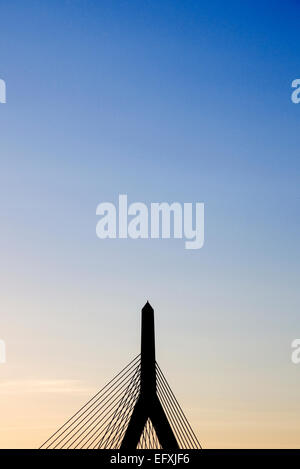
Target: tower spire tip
{"x":147,"y":307}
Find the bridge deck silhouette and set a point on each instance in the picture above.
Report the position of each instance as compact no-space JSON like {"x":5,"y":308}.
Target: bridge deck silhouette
{"x":135,"y":410}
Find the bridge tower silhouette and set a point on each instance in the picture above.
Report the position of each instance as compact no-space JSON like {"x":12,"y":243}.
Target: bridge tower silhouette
{"x":135,"y":410}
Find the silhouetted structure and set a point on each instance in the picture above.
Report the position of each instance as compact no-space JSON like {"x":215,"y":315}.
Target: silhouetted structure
{"x":135,"y":410}
{"x":148,"y":404}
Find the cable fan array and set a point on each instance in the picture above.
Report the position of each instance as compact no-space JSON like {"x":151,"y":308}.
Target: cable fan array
{"x":183,"y":432}
{"x":149,"y":438}
{"x":102,"y":422}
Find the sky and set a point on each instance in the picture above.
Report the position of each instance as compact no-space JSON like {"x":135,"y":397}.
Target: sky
{"x":163,"y":101}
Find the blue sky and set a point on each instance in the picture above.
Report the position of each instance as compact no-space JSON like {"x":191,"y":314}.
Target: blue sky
{"x":164,"y":101}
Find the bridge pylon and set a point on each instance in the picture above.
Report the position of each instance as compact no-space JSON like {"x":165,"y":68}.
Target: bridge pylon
{"x":135,"y":410}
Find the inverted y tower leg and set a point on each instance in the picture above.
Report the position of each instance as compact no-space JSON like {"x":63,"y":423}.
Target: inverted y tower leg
{"x":148,"y":404}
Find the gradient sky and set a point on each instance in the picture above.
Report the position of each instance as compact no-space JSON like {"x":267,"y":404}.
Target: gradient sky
{"x":164,"y":101}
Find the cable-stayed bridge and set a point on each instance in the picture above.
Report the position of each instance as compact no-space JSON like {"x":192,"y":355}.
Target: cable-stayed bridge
{"x":136,"y":410}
